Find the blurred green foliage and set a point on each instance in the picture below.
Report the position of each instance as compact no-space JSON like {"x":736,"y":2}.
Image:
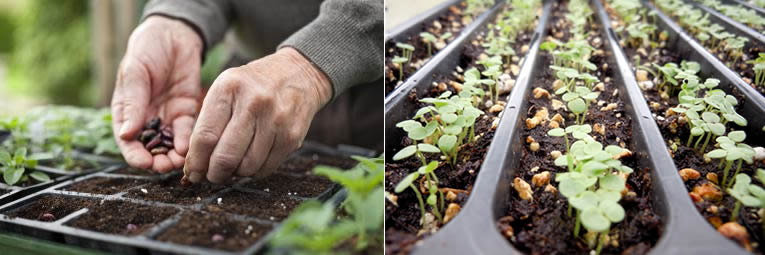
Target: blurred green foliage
{"x":52,"y":51}
{"x":6,"y":29}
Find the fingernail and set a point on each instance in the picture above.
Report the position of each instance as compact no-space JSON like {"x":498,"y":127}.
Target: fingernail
{"x":195,"y":177}
{"x":124,"y":128}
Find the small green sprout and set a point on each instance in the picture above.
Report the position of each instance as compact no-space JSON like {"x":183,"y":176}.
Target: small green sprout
{"x":578,"y":102}
{"x":406,"y":55}
{"x":732,"y":149}
{"x":759,"y":69}
{"x":14,"y":166}
{"x":749,"y":194}
{"x":429,"y":39}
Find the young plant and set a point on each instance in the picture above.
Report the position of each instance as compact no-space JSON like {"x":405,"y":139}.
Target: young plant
{"x":492,"y":69}
{"x":578,"y":102}
{"x":429,"y":39}
{"x":734,"y":46}
{"x":749,"y":194}
{"x":432,"y":188}
{"x":406,"y":55}
{"x":15,"y":166}
{"x":732,"y":149}
{"x":759,"y":69}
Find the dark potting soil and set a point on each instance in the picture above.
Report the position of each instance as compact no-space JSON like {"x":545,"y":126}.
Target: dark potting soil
{"x":104,"y":185}
{"x":170,"y":190}
{"x":134,"y":171}
{"x":450,"y":21}
{"x":716,"y":212}
{"x":115,"y":216}
{"x":402,"y":221}
{"x":290,"y":185}
{"x":267,"y":207}
{"x":58,"y":206}
{"x":197,"y":228}
{"x":304,"y":164}
{"x":4,"y":191}
{"x":543,"y":226}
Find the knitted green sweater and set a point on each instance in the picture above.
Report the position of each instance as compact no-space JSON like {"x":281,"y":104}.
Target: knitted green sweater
{"x":341,"y":37}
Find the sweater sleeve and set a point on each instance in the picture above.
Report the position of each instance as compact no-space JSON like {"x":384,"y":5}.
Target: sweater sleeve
{"x":344,"y":41}
{"x":209,"y":18}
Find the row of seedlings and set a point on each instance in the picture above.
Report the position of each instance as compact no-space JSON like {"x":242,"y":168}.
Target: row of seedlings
{"x":600,"y":204}
{"x":432,"y":174}
{"x":404,"y":58}
{"x":698,"y":122}
{"x":738,"y":13}
{"x":748,"y":62}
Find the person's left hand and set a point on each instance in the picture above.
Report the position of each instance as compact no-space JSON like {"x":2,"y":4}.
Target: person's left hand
{"x":255,"y":115}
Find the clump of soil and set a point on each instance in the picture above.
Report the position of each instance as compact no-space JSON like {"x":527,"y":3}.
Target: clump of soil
{"x":104,"y":185}
{"x":122,"y":217}
{"x":268,"y":207}
{"x":171,"y":191}
{"x":58,"y":206}
{"x":289,"y":185}
{"x":134,"y":171}
{"x":214,"y":229}
{"x":543,"y":225}
{"x":304,"y":164}
{"x":156,"y":138}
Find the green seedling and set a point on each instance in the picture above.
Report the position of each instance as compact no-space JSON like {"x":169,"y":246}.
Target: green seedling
{"x":492,"y":69}
{"x":748,"y":194}
{"x":734,"y":46}
{"x":578,"y":102}
{"x":732,"y":149}
{"x":406,"y":56}
{"x":429,"y":39}
{"x":408,"y":182}
{"x":640,"y":33}
{"x":15,"y":166}
{"x":759,"y":69}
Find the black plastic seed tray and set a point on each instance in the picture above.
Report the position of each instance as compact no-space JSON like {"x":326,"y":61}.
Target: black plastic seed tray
{"x":399,"y":107}
{"x":752,"y":103}
{"x":733,"y":26}
{"x":447,"y":241}
{"x":98,"y":192}
{"x":474,"y":231}
{"x":446,"y":53}
{"x":746,"y":4}
{"x":9,"y":193}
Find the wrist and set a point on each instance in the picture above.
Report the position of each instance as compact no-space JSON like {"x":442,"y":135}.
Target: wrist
{"x":314,"y":76}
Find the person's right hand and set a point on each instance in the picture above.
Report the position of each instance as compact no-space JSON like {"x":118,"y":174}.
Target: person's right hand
{"x":158,"y":76}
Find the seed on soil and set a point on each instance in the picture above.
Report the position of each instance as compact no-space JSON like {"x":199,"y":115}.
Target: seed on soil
{"x":541,"y":179}
{"x":131,"y":227}
{"x":609,"y":107}
{"x":47,"y":217}
{"x":540,"y":92}
{"x":534,"y":146}
{"x":217,"y":238}
{"x":496,"y":108}
{"x":550,"y":188}
{"x":555,"y":154}
{"x":736,"y":232}
{"x":451,"y":211}
{"x":689,"y":174}
{"x":598,"y":128}
{"x":712,"y":177}
{"x":708,"y":191}
{"x":523,"y":188}
{"x":600,"y":87}
{"x":155,"y":139}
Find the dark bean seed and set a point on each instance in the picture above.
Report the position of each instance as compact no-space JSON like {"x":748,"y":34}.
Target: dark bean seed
{"x":167,"y":133}
{"x":47,"y":217}
{"x":159,"y":150}
{"x":167,"y":143}
{"x":154,"y":142}
{"x":147,"y":135}
{"x":154,"y":123}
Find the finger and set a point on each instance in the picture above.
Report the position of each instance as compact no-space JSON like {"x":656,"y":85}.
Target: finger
{"x":176,"y":159}
{"x":182,"y":132}
{"x":233,"y":144}
{"x":133,"y":151}
{"x":162,"y":164}
{"x":258,"y":152}
{"x":213,"y":118}
{"x":279,"y":152}
{"x":131,"y":98}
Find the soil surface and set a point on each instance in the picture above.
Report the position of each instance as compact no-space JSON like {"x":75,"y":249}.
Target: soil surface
{"x":58,"y":206}
{"x":542,"y":226}
{"x":170,"y":190}
{"x":304,"y":164}
{"x":104,"y":185}
{"x":450,"y":21}
{"x":198,"y":228}
{"x":115,"y":216}
{"x":715,"y":211}
{"x":402,"y":221}
{"x":290,"y":185}
{"x":267,"y":207}
{"x":4,"y":191}
{"x":134,"y":171}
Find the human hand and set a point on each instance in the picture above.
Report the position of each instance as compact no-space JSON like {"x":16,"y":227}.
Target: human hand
{"x":255,"y":115}
{"x":158,"y":77}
